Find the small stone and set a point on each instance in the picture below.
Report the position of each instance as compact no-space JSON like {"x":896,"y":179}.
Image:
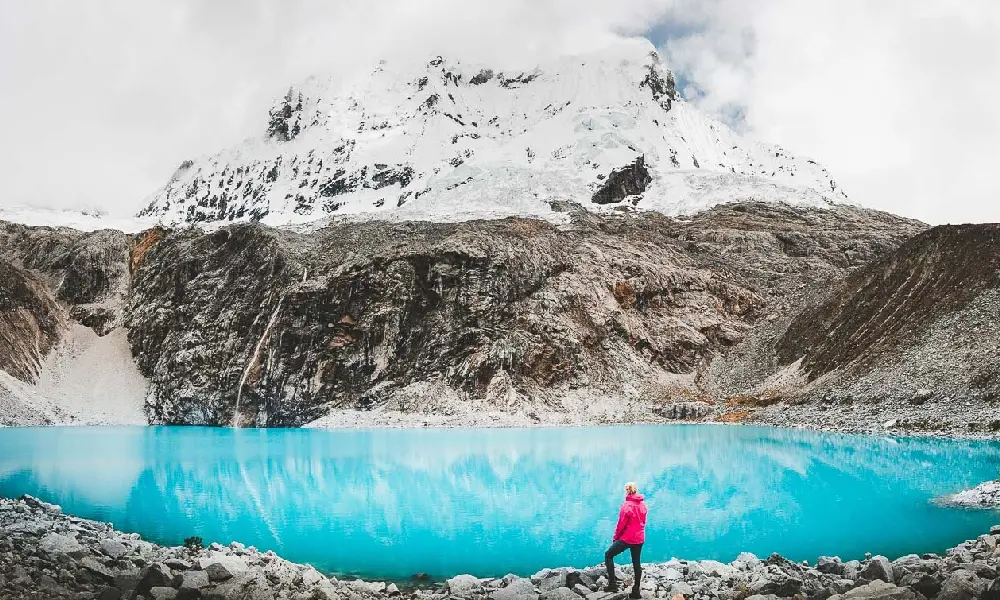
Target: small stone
{"x":392,"y":590}
{"x":682,"y":588}
{"x":995,"y":530}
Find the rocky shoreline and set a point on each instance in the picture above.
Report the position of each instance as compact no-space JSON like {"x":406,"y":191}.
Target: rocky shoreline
{"x":47,"y":554}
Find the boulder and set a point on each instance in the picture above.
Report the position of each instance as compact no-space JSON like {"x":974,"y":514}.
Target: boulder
{"x":221,"y":567}
{"x":555,"y":580}
{"x":194,"y":580}
{"x":830,"y":565}
{"x":878,"y":568}
{"x":992,"y":591}
{"x":516,"y":589}
{"x":163,"y":593}
{"x":55,"y":544}
{"x":877,"y":590}
{"x":925,"y":583}
{"x":746,"y":561}
{"x":560,"y":593}
{"x":463,"y":586}
{"x":93,"y":566}
{"x":155,"y":575}
{"x":962,"y":585}
{"x":113,"y":548}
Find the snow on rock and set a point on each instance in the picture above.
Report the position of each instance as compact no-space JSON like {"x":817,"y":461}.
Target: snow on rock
{"x":82,"y":220}
{"x":447,"y":141}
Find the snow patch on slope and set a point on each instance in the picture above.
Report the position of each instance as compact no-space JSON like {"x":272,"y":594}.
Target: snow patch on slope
{"x":448,"y":141}
{"x":81,"y":220}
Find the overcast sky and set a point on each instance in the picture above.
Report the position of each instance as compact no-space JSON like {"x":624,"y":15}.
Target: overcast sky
{"x":101,"y":100}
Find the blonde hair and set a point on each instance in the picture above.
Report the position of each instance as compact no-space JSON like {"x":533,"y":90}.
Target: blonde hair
{"x":630,"y":488}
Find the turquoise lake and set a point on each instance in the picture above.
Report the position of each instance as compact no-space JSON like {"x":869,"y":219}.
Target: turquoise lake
{"x":391,"y":503}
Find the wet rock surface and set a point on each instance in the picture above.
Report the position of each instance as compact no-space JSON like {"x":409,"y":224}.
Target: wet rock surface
{"x":46,"y":554}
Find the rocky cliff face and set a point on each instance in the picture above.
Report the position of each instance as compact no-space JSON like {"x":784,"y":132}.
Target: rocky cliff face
{"x":252,"y":325}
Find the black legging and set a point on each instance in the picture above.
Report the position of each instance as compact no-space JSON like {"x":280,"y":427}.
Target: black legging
{"x":617,"y":547}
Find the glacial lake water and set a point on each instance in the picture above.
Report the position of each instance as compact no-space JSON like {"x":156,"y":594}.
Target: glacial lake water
{"x":391,"y":503}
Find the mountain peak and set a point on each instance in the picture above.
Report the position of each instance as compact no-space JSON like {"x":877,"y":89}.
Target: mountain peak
{"x":448,"y":140}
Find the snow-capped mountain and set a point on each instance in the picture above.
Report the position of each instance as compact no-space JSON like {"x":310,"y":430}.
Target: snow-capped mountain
{"x":450,"y":141}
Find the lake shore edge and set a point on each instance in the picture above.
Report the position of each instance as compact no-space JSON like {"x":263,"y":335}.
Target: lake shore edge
{"x":45,"y":553}
{"x":778,"y":416}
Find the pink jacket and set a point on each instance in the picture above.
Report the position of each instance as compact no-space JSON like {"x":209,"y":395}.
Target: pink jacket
{"x":632,"y":520}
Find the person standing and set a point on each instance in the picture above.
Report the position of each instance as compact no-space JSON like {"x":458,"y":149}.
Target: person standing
{"x":630,"y":534}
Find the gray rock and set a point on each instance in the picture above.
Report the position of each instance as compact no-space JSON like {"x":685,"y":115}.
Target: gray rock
{"x":556,"y":579}
{"x":921,"y":396}
{"x":113,"y":548}
{"x":55,"y":543}
{"x":681,"y":587}
{"x":877,"y":590}
{"x":155,"y":575}
{"x":221,"y":567}
{"x":992,"y":591}
{"x":194,"y":580}
{"x":560,"y":593}
{"x":878,"y":568}
{"x":746,"y":561}
{"x":163,"y":593}
{"x":516,"y":589}
{"x":95,"y":567}
{"x":463,"y":586}
{"x":830,"y":565}
{"x":962,"y":585}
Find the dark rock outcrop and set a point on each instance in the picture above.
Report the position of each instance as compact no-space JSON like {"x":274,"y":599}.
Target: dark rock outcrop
{"x":30,"y":321}
{"x":622,"y":183}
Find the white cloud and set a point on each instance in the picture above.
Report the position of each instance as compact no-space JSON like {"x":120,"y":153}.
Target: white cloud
{"x":103,"y":99}
{"x":896,"y":98}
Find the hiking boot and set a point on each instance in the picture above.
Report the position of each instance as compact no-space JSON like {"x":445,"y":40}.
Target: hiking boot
{"x":612,"y":587}
{"x":635,"y":594}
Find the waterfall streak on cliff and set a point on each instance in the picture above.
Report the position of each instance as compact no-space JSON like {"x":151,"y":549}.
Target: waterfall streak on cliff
{"x":254,"y":358}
